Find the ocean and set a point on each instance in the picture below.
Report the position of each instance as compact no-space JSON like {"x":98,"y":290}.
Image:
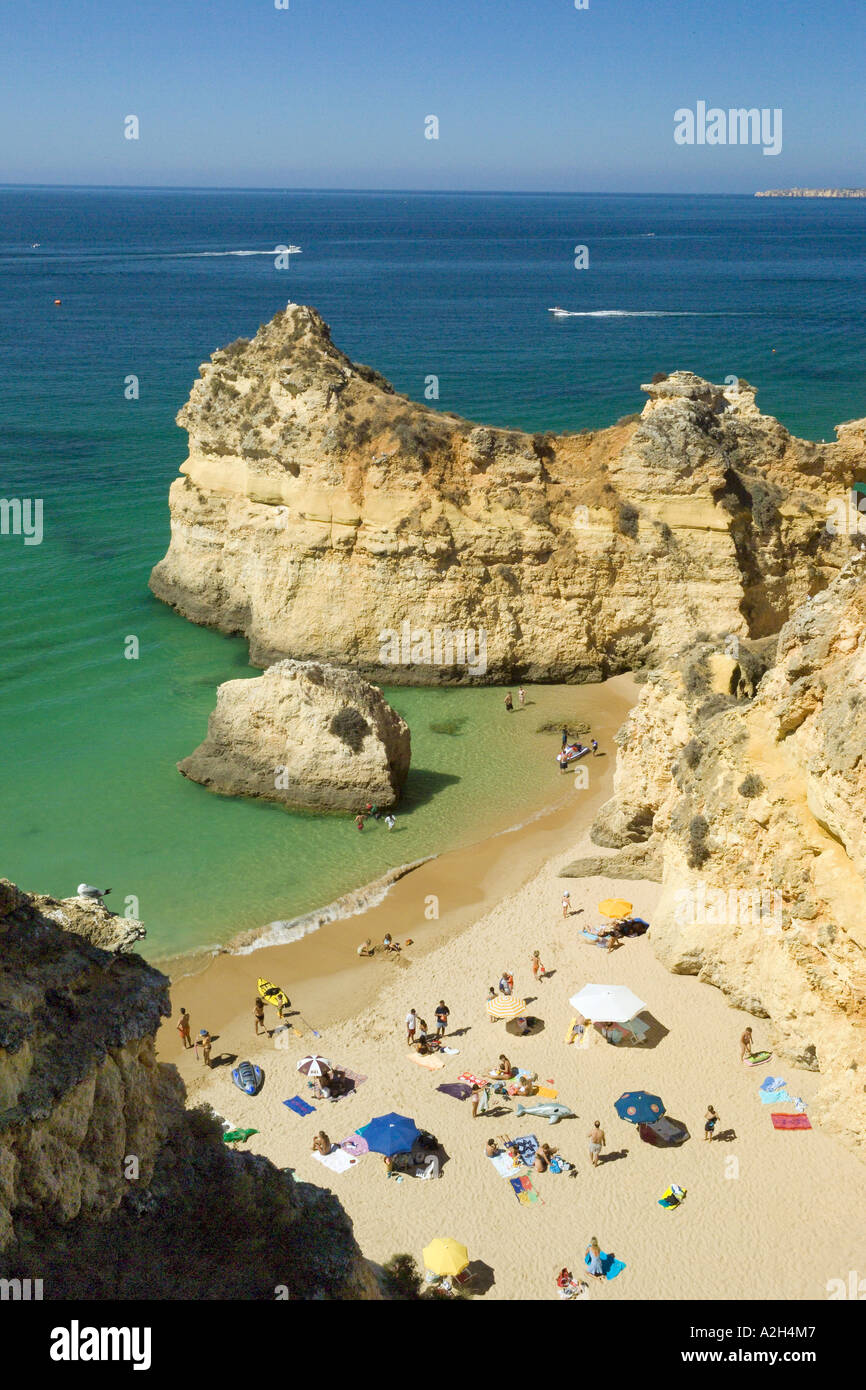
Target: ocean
{"x":416,"y":285}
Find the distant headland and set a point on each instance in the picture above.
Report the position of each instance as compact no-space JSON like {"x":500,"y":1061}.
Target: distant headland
{"x":812,"y":193}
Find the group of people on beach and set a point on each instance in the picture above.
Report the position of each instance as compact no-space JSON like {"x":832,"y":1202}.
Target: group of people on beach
{"x":203,"y":1041}
{"x":389,"y":946}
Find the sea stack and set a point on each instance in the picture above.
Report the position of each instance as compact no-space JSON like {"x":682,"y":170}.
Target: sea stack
{"x":319,"y":512}
{"x":304,"y":734}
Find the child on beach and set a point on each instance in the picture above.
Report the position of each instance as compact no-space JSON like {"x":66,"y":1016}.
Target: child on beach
{"x":566,"y":903}
{"x":521,"y":697}
{"x":359,"y":821}
{"x":538,"y":970}
{"x":746,"y":1047}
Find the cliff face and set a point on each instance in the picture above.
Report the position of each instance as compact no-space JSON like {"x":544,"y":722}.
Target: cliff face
{"x":304,"y":734}
{"x":752,"y":804}
{"x":109,"y":1187}
{"x":326,"y":517}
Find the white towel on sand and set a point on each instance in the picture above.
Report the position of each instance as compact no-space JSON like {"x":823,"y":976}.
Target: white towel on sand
{"x":337,"y":1160}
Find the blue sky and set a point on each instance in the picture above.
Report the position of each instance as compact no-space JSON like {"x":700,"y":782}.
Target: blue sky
{"x":530,"y":94}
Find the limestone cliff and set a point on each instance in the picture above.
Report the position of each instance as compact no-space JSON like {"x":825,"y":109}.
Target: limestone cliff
{"x":326,"y":517}
{"x":304,"y":734}
{"x":109,"y":1187}
{"x":752,"y":802}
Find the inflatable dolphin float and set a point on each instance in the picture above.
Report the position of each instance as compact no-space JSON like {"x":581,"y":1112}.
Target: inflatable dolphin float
{"x":549,"y":1108}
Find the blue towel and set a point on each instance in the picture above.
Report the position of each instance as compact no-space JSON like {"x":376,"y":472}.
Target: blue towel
{"x":772,"y":1083}
{"x":299,"y":1106}
{"x":610,"y":1266}
{"x":773,"y":1097}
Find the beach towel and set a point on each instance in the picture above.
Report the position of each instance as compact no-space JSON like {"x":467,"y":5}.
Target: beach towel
{"x":458,"y":1089}
{"x":772,"y":1083}
{"x":773,"y":1097}
{"x":299,"y":1106}
{"x":356,"y":1080}
{"x":524,"y":1071}
{"x":355,"y":1145}
{"x":473,"y":1080}
{"x":610,"y":1266}
{"x":431,"y":1063}
{"x":451,"y":1051}
{"x":560,"y":1165}
{"x":673,"y":1198}
{"x":524,"y":1191}
{"x":790,"y":1121}
{"x":504,"y":1165}
{"x":548,"y":1092}
{"x":337,"y":1160}
{"x":527,"y":1147}
{"x":236,"y":1136}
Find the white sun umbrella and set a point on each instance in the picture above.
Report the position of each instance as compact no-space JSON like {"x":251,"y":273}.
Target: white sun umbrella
{"x":607,"y":1003}
{"x":314,"y":1066}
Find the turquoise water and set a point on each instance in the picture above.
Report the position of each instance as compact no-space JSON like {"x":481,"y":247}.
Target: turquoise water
{"x":413,"y":284}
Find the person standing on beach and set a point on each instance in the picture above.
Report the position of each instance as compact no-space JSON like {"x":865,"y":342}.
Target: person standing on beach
{"x":521,"y":697}
{"x":593,"y":1250}
{"x":259,"y":1015}
{"x":206,"y":1045}
{"x":538,"y":970}
{"x":597,"y":1142}
{"x":566,"y":903}
{"x":509,"y":703}
{"x":359,"y":821}
{"x":411,"y":1025}
{"x":746,"y":1045}
{"x":711,"y":1119}
{"x":594,"y":746}
{"x":564,"y":737}
{"x":183,"y":1028}
{"x":390,"y":821}
{"x":442,"y":1012}
{"x":491,"y":994}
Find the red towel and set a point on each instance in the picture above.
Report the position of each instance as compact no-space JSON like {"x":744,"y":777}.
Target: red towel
{"x":789,"y":1121}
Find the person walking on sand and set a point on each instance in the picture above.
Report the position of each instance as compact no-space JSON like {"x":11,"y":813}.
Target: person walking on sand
{"x":259,"y":1015}
{"x":390,"y":821}
{"x":509,"y":703}
{"x":593,"y":1250}
{"x":711,"y":1119}
{"x":521,"y":697}
{"x":411,"y":1025}
{"x":442,"y":1012}
{"x":597,"y":1142}
{"x":593,"y":743}
{"x":183,"y":1028}
{"x":538,"y":970}
{"x":746,"y":1047}
{"x":566,"y":903}
{"x":206,"y":1045}
{"x":359,"y":821}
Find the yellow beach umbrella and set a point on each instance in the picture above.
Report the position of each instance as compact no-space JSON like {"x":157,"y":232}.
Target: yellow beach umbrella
{"x":446,"y":1257}
{"x":615,"y":907}
{"x":506,"y":1006}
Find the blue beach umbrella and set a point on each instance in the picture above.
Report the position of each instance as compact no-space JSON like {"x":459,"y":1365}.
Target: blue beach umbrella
{"x":390,"y":1134}
{"x":639,"y":1108}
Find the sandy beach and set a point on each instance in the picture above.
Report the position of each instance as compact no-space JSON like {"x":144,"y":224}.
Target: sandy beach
{"x":763,"y":1216}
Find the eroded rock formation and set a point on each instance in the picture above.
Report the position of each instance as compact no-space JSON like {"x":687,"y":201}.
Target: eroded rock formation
{"x":753,"y":800}
{"x":320,"y":513}
{"x":109,"y":1187}
{"x":305,"y":734}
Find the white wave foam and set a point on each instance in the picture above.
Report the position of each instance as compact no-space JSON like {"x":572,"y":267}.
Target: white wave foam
{"x":640,"y":314}
{"x":281,"y":933}
{"x":196,"y":255}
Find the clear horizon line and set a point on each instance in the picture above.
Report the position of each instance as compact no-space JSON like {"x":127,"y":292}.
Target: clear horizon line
{"x":420,"y":192}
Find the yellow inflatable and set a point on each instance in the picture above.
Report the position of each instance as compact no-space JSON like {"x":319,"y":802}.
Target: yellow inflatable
{"x":273,"y":995}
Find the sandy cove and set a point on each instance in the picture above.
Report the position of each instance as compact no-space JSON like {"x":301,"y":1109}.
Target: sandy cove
{"x":780,"y":1228}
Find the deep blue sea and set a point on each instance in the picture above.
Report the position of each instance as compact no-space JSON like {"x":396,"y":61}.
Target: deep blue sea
{"x":459,"y":286}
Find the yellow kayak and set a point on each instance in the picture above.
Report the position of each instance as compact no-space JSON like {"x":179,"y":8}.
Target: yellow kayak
{"x":272,"y":995}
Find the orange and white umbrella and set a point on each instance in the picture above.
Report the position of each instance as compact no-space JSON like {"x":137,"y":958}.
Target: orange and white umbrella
{"x":506,"y":1006}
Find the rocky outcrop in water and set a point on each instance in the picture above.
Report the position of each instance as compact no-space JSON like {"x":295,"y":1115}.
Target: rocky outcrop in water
{"x":304,"y":734}
{"x":109,"y":1187}
{"x":751,"y":790}
{"x":326,"y":517}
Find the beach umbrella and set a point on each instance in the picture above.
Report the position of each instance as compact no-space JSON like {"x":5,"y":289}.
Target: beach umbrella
{"x":615,"y":907}
{"x":445,"y":1257}
{"x":607,"y":1003}
{"x":314,"y":1066}
{"x":639,"y":1108}
{"x":506,"y":1006}
{"x":390,"y":1134}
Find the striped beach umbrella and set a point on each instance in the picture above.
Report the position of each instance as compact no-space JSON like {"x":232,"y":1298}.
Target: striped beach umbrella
{"x":314,"y":1066}
{"x":506,"y":1006}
